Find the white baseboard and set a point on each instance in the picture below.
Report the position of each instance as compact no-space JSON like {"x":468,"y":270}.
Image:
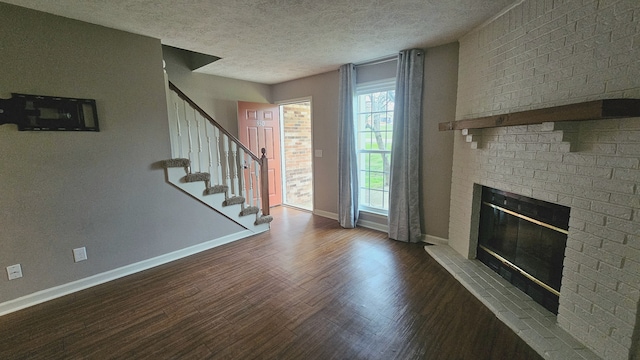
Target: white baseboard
{"x":363,"y":223}
{"x":326,"y":214}
{"x":434,"y":239}
{"x":74,"y":286}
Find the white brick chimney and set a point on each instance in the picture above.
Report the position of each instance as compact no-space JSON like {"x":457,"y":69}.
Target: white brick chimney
{"x":543,"y":53}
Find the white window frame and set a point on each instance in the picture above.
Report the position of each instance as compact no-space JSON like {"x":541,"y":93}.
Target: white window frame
{"x":361,"y":89}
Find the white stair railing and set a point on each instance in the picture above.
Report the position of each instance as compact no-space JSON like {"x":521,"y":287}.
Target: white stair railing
{"x":210,"y":148}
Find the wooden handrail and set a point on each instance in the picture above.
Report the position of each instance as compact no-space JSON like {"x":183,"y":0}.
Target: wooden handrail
{"x":184,"y":97}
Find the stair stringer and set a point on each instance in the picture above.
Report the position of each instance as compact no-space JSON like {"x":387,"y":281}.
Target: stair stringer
{"x":175,"y":176}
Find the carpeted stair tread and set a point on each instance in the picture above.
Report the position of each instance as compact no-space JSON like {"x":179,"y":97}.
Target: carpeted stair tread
{"x":171,"y":163}
{"x":264,"y":219}
{"x":201,"y":176}
{"x":249,"y":210}
{"x":234,"y":200}
{"x":216,"y":189}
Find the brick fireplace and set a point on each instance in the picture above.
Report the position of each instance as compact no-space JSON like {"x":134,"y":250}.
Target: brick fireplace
{"x":540,"y":54}
{"x":599,"y":182}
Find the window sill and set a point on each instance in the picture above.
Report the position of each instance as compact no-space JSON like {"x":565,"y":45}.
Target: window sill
{"x":372,"y":219}
{"x":374,"y":212}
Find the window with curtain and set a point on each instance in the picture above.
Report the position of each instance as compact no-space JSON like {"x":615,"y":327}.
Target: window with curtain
{"x":374,"y":106}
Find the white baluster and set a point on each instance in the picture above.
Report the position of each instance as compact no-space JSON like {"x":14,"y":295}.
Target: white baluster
{"x":172,"y":133}
{"x":179,"y":129}
{"x":216,"y":133}
{"x":169,"y":95}
{"x":241,"y":179}
{"x":234,"y":164}
{"x":258,"y":203}
{"x":207,"y":132}
{"x":225,"y":143}
{"x":190,"y":139}
{"x":249,"y":162}
{"x":195,"y":117}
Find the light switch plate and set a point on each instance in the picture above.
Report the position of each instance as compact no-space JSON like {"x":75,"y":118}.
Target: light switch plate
{"x":14,"y":271}
{"x":318,"y":153}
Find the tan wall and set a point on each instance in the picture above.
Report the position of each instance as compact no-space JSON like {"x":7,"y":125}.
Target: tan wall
{"x":323,"y":89}
{"x":62,"y":190}
{"x":439,"y":105}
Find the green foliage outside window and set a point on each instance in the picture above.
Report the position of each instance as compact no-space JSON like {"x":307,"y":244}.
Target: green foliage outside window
{"x":375,"y":128}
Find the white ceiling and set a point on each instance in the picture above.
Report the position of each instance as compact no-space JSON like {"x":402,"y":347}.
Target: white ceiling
{"x":271,"y":41}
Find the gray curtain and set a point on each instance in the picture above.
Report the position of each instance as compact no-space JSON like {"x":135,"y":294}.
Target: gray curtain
{"x":347,"y":158}
{"x":404,"y":184}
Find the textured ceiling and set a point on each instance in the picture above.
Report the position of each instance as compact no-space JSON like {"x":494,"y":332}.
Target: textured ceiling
{"x":271,"y":41}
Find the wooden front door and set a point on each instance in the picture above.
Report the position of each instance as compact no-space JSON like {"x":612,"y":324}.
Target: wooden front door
{"x":259,"y":127}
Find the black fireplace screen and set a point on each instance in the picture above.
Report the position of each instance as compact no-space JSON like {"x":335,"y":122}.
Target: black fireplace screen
{"x":524,"y":240}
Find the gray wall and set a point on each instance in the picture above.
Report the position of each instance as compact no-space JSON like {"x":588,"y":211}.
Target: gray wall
{"x":216,"y":95}
{"x":62,"y":190}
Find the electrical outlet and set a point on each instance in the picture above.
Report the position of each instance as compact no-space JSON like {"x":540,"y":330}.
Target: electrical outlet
{"x":14,"y":271}
{"x":79,"y":254}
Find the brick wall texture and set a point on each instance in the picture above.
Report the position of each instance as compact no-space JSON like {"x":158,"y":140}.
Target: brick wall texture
{"x":544,"y":53}
{"x":297,"y":153}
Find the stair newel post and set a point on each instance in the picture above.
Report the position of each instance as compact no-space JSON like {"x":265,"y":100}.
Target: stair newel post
{"x":264,"y":181}
{"x":216,"y":132}
{"x":225,"y":143}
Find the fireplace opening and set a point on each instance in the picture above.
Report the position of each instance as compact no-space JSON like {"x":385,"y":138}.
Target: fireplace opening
{"x":524,"y":240}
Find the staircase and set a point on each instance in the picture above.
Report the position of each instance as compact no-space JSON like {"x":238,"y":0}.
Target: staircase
{"x":213,"y":167}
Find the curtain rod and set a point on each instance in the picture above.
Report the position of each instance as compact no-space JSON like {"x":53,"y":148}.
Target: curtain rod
{"x":378,"y":61}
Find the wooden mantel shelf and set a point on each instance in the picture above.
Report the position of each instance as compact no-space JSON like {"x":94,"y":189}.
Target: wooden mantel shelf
{"x":591,"y":110}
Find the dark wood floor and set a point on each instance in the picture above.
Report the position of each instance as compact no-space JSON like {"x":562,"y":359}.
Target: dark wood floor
{"x":305,"y":290}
